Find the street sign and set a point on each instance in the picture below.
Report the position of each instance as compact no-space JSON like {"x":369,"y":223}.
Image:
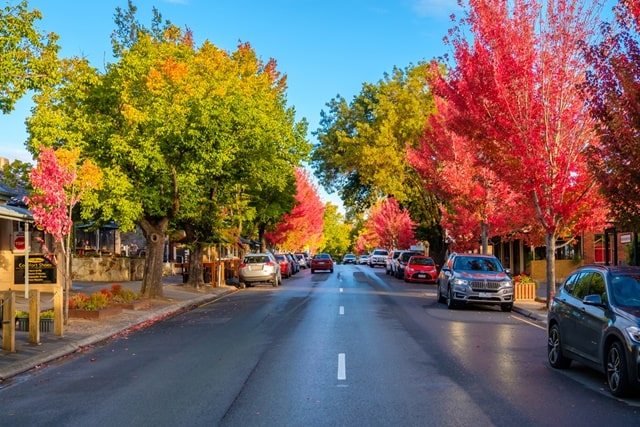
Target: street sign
{"x":626,"y":237}
{"x":18,"y":243}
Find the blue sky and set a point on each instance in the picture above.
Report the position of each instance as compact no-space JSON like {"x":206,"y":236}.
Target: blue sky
{"x":325,"y":47}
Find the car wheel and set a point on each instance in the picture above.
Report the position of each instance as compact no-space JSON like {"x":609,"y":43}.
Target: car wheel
{"x":451,"y":304}
{"x":617,"y":378}
{"x":506,"y":307}
{"x":405,"y":278}
{"x":440,"y":298}
{"x":331,"y":271}
{"x":312,"y":271}
{"x":242,"y":285}
{"x":554,"y":349}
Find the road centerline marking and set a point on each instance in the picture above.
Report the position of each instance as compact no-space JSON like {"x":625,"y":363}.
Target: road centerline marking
{"x":342,"y":367}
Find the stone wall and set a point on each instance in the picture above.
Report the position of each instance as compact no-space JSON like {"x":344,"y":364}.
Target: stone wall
{"x":110,"y":269}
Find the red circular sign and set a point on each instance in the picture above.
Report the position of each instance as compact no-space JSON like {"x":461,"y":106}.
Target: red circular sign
{"x":19,"y":243}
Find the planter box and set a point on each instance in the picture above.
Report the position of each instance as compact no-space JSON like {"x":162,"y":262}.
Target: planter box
{"x":139,"y":304}
{"x":103,"y":313}
{"x":525,"y":291}
{"x":22,"y":324}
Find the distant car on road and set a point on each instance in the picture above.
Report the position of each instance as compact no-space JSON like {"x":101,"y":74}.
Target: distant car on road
{"x":302,"y":260}
{"x":349,"y":259}
{"x":259,"y":268}
{"x":378,"y":257}
{"x":477,"y":279}
{"x":363,"y":259}
{"x":321,"y":261}
{"x":390,"y":262}
{"x":594,"y":319}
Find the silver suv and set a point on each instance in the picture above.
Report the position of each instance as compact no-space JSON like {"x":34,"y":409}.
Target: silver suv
{"x":378,"y":257}
{"x":475,"y":279}
{"x":260,"y":268}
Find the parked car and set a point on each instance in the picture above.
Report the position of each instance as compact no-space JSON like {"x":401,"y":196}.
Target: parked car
{"x":286,"y":270}
{"x":259,"y":268}
{"x":390,"y":263}
{"x":295,"y":267}
{"x":400,"y":263}
{"x":363,"y":259}
{"x":475,"y":279}
{"x":302,"y":261}
{"x":421,"y":268}
{"x":378,"y":257}
{"x":594,"y":319}
{"x":321,"y":261}
{"x":349,"y":259}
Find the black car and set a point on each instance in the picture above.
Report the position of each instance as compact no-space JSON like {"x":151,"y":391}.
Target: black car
{"x":401,"y":261}
{"x":594,"y":319}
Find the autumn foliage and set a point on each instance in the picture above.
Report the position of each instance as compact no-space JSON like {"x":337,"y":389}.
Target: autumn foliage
{"x":302,"y":227}
{"x":388,"y":226}
{"x":613,"y":87}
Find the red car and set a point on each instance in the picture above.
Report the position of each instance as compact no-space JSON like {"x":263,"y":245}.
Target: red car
{"x":285,"y":265}
{"x":421,"y":269}
{"x":321,"y":262}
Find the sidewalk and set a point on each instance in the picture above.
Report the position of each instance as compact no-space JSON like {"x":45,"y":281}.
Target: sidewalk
{"x":80,"y":333}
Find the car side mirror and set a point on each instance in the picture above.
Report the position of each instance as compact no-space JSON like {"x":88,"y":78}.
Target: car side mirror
{"x":508,"y":271}
{"x":593,"y":299}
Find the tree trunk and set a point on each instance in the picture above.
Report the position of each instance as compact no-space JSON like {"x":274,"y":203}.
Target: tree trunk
{"x":550,"y":240}
{"x":196,"y":269}
{"x":155,"y":231}
{"x":484,"y":233}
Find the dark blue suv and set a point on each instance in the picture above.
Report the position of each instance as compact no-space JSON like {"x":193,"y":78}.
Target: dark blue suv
{"x":595,"y":319}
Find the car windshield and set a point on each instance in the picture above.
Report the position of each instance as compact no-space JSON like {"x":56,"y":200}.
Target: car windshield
{"x":256,"y":259}
{"x":322,"y":256}
{"x":422,"y":261}
{"x":476,"y":264}
{"x":281,"y":258}
{"x":626,"y":290}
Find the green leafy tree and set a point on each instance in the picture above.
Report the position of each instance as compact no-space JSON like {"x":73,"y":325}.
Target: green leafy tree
{"x":336,"y":232}
{"x":363,"y":144}
{"x":28,"y":58}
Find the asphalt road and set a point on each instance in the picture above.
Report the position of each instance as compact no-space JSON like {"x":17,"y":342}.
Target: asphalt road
{"x":351,"y":348}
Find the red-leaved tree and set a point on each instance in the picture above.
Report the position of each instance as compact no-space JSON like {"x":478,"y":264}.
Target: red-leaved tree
{"x":302,"y":228}
{"x":613,"y":86}
{"x":392,"y":225}
{"x":476,"y":202}
{"x":515,"y":92}
{"x":59,"y":182}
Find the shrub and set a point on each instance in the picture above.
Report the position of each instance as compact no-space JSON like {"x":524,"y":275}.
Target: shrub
{"x":522,"y":279}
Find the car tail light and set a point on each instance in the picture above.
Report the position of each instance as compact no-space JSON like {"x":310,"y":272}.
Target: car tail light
{"x":243,"y":265}
{"x":269,"y":264}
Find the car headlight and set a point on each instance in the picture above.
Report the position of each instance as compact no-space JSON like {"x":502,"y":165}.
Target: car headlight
{"x":634,"y":333}
{"x":460,"y":282}
{"x":508,"y":284}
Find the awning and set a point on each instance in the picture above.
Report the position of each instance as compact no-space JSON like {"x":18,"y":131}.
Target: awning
{"x":15,"y":213}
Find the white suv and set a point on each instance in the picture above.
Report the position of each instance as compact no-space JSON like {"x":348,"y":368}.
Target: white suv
{"x":378,"y":257}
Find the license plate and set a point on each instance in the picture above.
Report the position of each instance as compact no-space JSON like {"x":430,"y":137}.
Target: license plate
{"x":256,"y":267}
{"x":422,"y":276}
{"x":485,"y":294}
